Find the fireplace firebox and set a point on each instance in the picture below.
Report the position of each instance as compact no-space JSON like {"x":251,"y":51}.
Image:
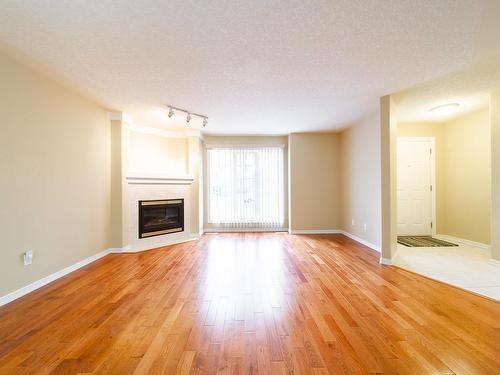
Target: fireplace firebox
{"x":157,"y":217}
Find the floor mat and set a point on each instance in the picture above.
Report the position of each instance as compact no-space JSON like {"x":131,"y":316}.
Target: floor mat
{"x":423,"y":241}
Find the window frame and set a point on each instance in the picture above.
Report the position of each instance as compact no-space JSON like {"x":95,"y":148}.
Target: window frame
{"x":250,"y":224}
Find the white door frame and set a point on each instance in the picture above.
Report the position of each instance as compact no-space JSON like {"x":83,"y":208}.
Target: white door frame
{"x":432,"y":141}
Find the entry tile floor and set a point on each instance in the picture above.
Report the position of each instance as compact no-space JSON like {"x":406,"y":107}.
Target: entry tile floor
{"x":465,"y":266}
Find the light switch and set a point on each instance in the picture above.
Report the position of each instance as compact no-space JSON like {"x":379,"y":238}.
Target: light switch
{"x":28,"y":257}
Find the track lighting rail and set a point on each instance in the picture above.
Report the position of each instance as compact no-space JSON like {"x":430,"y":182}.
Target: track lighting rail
{"x":172,"y":109}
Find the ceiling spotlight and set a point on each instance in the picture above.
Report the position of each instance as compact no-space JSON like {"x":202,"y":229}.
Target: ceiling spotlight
{"x":445,"y":109}
{"x":189,"y":115}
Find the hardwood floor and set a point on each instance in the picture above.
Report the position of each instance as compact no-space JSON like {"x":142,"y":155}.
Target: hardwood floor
{"x":249,"y":303}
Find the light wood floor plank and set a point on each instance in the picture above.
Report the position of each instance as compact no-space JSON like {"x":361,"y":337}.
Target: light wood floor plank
{"x":253,"y":303}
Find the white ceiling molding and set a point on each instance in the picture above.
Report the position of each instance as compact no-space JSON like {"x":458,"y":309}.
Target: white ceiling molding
{"x":120,"y":116}
{"x":167,"y":133}
{"x":116,"y":116}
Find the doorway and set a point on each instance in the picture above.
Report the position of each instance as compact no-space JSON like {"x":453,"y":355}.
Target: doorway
{"x":415,"y":186}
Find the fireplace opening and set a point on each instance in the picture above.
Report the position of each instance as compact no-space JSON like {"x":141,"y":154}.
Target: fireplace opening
{"x":157,"y":217}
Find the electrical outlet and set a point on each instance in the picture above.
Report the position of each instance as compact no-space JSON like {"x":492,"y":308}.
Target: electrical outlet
{"x":364,"y":226}
{"x":352,"y":222}
{"x":28,"y":257}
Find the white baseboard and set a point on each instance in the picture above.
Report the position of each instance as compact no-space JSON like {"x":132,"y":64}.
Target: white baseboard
{"x":118,"y":250}
{"x":56,"y":275}
{"x":52,"y":277}
{"x":243,"y":230}
{"x":337,"y":231}
{"x":494,"y":262}
{"x":361,"y":241}
{"x":139,"y":248}
{"x":386,"y":261}
{"x":314,"y":231}
{"x":463,"y":241}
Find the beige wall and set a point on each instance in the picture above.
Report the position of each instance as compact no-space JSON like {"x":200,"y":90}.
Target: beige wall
{"x":55,"y":179}
{"x":116,"y":184}
{"x":495,"y":174}
{"x":195,"y":169}
{"x":314,"y":181}
{"x":468,"y":177}
{"x":388,"y":194}
{"x":463,"y":173}
{"x":360,"y":179}
{"x":242,"y":140}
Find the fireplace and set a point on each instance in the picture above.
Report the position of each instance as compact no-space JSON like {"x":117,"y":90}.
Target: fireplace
{"x":157,"y":217}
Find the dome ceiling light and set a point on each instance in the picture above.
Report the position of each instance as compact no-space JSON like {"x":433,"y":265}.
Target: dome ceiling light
{"x":445,"y":109}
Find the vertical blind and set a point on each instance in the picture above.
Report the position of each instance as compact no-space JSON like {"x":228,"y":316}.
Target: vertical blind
{"x":245,"y":187}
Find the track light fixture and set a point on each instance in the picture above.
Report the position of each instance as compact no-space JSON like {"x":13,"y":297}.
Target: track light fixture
{"x":189,"y":115}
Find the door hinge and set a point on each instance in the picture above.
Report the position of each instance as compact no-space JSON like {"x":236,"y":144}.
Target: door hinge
{"x":431,"y":224}
{"x":430,"y":151}
{"x":431,"y":187}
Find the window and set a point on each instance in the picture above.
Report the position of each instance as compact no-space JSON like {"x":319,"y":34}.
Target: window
{"x":245,"y":187}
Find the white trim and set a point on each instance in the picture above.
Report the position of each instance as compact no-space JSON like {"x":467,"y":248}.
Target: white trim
{"x":361,"y":241}
{"x":158,"y":180}
{"x":433,"y":184}
{"x":117,"y":250}
{"x":242,"y":145}
{"x":115,"y":116}
{"x":190,"y":132}
{"x":463,"y":241}
{"x":52,"y":277}
{"x":315,"y":231}
{"x":494,"y":262}
{"x":120,"y":116}
{"x":243,"y":230}
{"x":140,"y":248}
{"x":386,"y":261}
{"x":283,"y":181}
{"x":164,"y":132}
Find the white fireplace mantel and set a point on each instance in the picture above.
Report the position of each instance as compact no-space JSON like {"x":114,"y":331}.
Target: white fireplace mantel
{"x":154,"y":187}
{"x":158,"y":180}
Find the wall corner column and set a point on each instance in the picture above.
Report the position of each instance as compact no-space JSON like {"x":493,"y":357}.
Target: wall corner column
{"x":495,"y":175}
{"x":388,"y":136}
{"x":119,"y":144}
{"x":195,"y":170}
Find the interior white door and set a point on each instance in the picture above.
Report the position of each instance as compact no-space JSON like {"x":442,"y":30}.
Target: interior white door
{"x":414,"y":157}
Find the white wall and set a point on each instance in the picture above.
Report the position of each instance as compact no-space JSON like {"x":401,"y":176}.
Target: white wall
{"x":150,"y":154}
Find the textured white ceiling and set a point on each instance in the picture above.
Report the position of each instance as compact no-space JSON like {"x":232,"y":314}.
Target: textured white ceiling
{"x":470,"y":88}
{"x":261,"y":66}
